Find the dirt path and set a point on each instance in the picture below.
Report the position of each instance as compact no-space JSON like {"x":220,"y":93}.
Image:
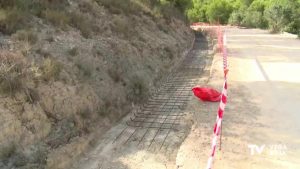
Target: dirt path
{"x":262,"y":109}
{"x":150,"y":137}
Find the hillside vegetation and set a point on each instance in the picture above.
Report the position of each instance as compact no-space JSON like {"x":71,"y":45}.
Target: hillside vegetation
{"x":70,"y":69}
{"x":277,"y":15}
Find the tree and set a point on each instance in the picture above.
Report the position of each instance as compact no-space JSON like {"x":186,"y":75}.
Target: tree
{"x":219,"y":11}
{"x":293,"y":25}
{"x":278,"y":14}
{"x":198,"y":11}
{"x":254,"y":15}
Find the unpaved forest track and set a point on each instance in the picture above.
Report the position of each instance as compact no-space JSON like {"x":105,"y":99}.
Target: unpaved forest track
{"x":158,"y":126}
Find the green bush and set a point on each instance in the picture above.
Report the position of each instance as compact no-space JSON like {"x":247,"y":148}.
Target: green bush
{"x":294,"y":22}
{"x":197,"y":13}
{"x":293,"y":27}
{"x":236,"y":18}
{"x":254,"y":15}
{"x":254,"y":19}
{"x":219,"y":11}
{"x":279,"y":15}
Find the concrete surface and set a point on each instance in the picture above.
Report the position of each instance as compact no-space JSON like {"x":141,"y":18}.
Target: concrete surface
{"x":268,"y":67}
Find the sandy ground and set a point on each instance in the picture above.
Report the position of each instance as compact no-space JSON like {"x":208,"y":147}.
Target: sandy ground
{"x":264,"y":94}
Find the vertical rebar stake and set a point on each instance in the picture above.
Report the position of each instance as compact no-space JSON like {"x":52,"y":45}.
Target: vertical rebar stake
{"x":221,"y":137}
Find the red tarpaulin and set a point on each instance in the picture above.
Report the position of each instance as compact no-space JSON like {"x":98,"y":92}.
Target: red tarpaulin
{"x":207,"y":94}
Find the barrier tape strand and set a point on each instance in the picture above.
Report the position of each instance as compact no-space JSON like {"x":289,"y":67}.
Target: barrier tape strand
{"x":217,"y":127}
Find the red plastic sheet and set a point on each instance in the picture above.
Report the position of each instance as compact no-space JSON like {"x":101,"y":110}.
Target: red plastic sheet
{"x":207,"y":94}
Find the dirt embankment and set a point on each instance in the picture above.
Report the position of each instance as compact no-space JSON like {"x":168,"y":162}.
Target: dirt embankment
{"x":72,"y":74}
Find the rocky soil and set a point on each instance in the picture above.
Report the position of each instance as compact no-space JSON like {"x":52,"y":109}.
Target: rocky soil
{"x":60,"y":87}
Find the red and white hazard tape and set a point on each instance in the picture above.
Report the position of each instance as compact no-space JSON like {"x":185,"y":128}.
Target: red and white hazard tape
{"x":217,"y":127}
{"x":224,"y":50}
{"x":218,"y":124}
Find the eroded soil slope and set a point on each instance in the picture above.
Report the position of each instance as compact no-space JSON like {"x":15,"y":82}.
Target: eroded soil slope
{"x":73,"y":68}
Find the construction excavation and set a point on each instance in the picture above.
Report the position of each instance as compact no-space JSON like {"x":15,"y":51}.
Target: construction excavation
{"x":160,"y":125}
{"x":163,"y":114}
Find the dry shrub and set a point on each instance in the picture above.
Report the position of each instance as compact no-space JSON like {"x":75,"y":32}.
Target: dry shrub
{"x":6,"y":3}
{"x":56,"y":17}
{"x":7,"y":152}
{"x":120,"y":6}
{"x":83,"y":23}
{"x":13,"y":71}
{"x":19,"y":12}
{"x":43,"y":52}
{"x":168,"y":52}
{"x":122,"y":26}
{"x":27,"y":36}
{"x":115,"y":73}
{"x":86,"y":6}
{"x":137,"y":90}
{"x":51,"y":69}
{"x":13,"y":20}
{"x":73,"y":51}
{"x":85,"y":68}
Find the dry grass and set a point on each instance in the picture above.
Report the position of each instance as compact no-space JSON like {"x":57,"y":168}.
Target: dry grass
{"x":85,"y":113}
{"x":13,"y":71}
{"x":27,"y":36}
{"x":73,"y":51}
{"x":57,"y":18}
{"x":122,"y":26}
{"x":137,"y":90}
{"x":44,"y":53}
{"x":13,"y":20}
{"x":115,"y":74}
{"x":85,"y":68}
{"x":86,"y":6}
{"x":7,"y":152}
{"x":51,"y":69}
{"x":83,"y":23}
{"x":120,"y":6}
